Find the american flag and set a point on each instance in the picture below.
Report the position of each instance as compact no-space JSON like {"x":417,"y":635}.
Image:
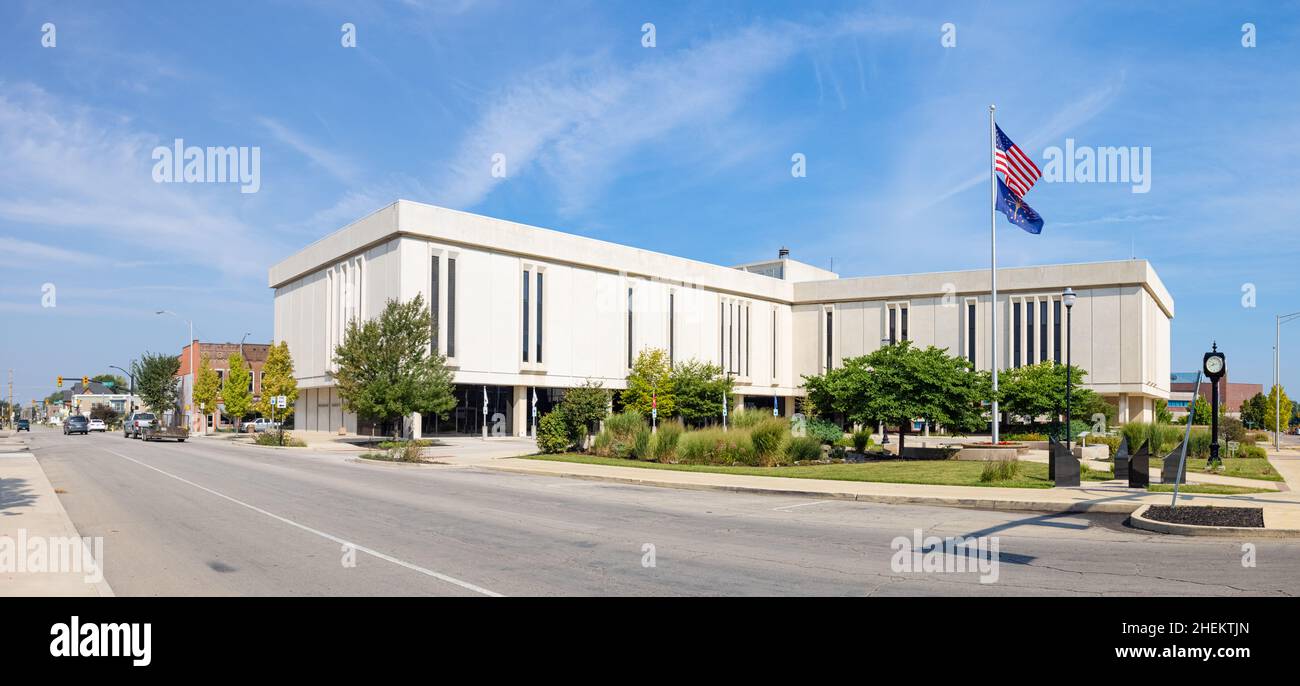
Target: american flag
{"x":1019,"y":171}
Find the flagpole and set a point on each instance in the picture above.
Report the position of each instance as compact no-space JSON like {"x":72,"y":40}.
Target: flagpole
{"x":993,"y":265}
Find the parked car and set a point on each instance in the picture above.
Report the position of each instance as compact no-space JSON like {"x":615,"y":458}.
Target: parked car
{"x":136,"y":422}
{"x":76,"y":424}
{"x":98,"y":425}
{"x":262,"y":424}
{"x":24,"y":425}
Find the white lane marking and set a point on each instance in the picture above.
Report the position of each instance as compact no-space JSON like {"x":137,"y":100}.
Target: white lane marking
{"x":322,"y":534}
{"x":791,"y":507}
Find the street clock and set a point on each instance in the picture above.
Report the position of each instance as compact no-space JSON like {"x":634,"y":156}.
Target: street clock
{"x":1214,"y":363}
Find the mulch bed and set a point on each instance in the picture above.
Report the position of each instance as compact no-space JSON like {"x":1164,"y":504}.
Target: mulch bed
{"x":1202,"y":515}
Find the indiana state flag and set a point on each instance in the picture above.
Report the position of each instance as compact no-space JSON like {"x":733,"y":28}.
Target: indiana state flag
{"x":1017,"y":210}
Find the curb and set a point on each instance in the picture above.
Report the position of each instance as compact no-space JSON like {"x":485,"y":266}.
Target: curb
{"x":943,"y":501}
{"x":394,"y":465}
{"x":1139,"y":521}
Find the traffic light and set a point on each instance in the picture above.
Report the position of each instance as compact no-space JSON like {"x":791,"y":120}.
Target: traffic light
{"x":85,"y":383}
{"x":60,"y":382}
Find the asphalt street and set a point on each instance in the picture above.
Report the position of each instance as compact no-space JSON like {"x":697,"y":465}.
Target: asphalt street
{"x":210,"y":518}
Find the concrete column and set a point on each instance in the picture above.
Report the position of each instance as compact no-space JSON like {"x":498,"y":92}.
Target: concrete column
{"x":1123,"y":409}
{"x":521,"y":411}
{"x":416,"y":424}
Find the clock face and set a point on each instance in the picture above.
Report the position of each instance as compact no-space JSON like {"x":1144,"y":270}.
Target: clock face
{"x":1214,"y":364}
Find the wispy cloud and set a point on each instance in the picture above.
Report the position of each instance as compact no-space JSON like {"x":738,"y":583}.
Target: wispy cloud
{"x":576,"y":119}
{"x":333,"y":163}
{"x":73,"y":167}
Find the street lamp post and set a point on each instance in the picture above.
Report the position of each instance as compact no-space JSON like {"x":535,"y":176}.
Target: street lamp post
{"x":129,"y":375}
{"x":192,"y":351}
{"x":1277,"y":375}
{"x":1068,"y":298}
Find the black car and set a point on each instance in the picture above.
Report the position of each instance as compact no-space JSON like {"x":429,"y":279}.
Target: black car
{"x":76,"y":424}
{"x":24,"y":425}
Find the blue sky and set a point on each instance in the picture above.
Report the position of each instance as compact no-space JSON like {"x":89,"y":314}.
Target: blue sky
{"x":683,"y":148}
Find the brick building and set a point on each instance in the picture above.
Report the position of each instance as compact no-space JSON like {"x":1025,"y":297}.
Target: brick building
{"x":1231,"y":395}
{"x":218,"y":355}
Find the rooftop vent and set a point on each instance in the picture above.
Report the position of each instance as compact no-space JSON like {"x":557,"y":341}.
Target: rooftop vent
{"x":783,"y":253}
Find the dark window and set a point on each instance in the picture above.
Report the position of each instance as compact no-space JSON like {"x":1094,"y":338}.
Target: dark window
{"x":540,"y":300}
{"x":1042,"y":331}
{"x":970,"y":332}
{"x":1029,"y":327}
{"x":830,"y":331}
{"x":525,"y":328}
{"x":904,"y":309}
{"x":722,"y":335}
{"x":893,"y":326}
{"x":451,"y":307}
{"x":1056,"y":330}
{"x":1015,"y":317}
{"x":731,"y":337}
{"x":629,"y":328}
{"x":434,"y":306}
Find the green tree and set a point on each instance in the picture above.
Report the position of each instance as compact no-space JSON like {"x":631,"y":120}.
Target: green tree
{"x":207,"y":387}
{"x":1201,"y":410}
{"x":1163,"y":415}
{"x":699,"y":388}
{"x":582,"y":408}
{"x":1270,"y":412}
{"x":156,"y":382}
{"x":237,"y":391}
{"x":1037,"y":391}
{"x":899,"y":383}
{"x":651,"y":377}
{"x":386,"y":369}
{"x":1254,"y":412}
{"x":278,"y":379}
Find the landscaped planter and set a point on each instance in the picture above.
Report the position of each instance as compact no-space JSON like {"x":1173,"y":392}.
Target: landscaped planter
{"x":1005,"y":450}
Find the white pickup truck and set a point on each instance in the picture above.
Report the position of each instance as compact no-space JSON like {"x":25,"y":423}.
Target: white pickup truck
{"x":261,"y":424}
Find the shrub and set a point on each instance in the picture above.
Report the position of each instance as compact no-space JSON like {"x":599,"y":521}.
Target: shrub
{"x":1076,"y":427}
{"x":1161,"y":437}
{"x":1252,"y":451}
{"x":804,"y":449}
{"x":1026,"y":436}
{"x":861,"y":439}
{"x":767,"y":437}
{"x":1000,"y":470}
{"x":823,"y":430}
{"x":747,"y":419}
{"x":1232,"y":428}
{"x":603,"y":444}
{"x":620,"y":435}
{"x":665,"y":444}
{"x":641,"y":444}
{"x":717,"y":447}
{"x":273,"y":438}
{"x":553,"y":433}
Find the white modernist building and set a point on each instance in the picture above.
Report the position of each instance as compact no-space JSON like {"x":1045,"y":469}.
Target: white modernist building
{"x":522,"y":312}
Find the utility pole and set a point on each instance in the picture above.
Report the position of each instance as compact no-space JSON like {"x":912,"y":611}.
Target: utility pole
{"x":10,"y":418}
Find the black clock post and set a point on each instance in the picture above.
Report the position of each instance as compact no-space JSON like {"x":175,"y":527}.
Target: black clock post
{"x":1215,"y":366}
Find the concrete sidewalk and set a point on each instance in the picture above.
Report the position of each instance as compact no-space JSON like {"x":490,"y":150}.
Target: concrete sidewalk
{"x":32,"y":518}
{"x":1108,"y":497}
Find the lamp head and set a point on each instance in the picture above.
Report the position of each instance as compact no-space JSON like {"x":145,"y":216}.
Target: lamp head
{"x":1068,"y":297}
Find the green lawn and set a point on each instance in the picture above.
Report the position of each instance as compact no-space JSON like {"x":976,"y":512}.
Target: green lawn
{"x":939,"y":472}
{"x":1209,"y":489}
{"x":1244,"y":467}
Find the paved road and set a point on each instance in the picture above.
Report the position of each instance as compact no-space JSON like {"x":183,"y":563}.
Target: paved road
{"x":209,"y":518}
